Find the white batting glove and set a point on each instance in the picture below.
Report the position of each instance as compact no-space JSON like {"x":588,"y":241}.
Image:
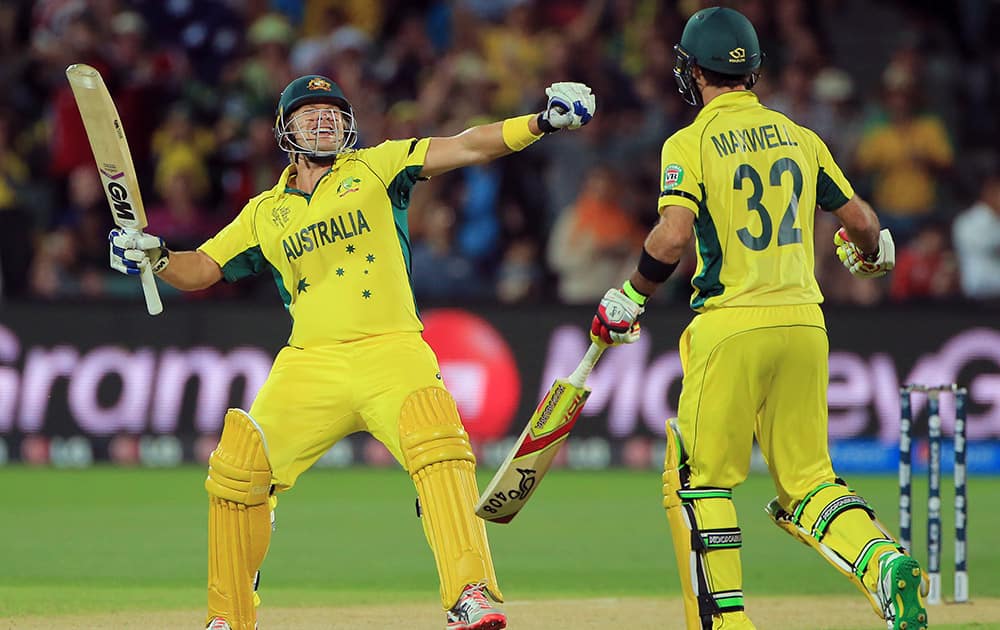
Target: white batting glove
{"x":130,"y":253}
{"x":871,"y":266}
{"x":570,"y":106}
{"x":617,"y":319}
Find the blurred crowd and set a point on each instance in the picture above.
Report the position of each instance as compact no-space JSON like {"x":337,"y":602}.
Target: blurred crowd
{"x":904,"y":93}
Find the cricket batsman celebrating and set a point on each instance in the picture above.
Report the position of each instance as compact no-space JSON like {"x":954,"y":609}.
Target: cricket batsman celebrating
{"x":333,"y":232}
{"x":746,"y":180}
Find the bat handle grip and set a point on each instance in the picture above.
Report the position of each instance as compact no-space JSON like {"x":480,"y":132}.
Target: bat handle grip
{"x":579,"y":376}
{"x":153,"y":303}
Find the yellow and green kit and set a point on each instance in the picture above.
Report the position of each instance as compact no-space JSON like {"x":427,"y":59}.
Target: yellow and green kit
{"x":755,"y":357}
{"x":355,"y":361}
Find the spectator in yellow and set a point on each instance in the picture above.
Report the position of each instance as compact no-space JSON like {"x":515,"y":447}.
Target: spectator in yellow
{"x":514,"y":54}
{"x":906,"y":155}
{"x":13,"y":170}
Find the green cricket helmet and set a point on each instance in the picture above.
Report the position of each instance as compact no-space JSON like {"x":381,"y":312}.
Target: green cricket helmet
{"x":718,"y":39}
{"x":308,"y":89}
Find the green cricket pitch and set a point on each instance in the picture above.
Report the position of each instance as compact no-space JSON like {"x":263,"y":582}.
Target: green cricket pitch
{"x":113,"y":547}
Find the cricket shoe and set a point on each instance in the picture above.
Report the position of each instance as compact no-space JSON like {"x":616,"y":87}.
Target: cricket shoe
{"x":476,"y":611}
{"x":899,"y":587}
{"x":218,"y":623}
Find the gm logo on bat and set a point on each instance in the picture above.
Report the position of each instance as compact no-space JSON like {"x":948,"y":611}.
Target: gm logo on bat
{"x":118,"y":196}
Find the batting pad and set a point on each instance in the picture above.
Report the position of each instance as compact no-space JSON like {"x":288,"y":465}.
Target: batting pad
{"x":239,"y":520}
{"x":439,"y":458}
{"x":707,"y":545}
{"x":842,"y":527}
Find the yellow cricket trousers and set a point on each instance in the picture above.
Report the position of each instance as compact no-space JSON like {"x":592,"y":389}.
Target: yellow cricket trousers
{"x":756,"y":371}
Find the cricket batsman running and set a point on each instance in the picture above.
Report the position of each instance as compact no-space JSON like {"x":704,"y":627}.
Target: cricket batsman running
{"x":333,"y":232}
{"x":746,"y":180}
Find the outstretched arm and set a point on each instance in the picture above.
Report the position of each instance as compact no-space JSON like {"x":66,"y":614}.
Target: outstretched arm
{"x":476,"y":145}
{"x":570,"y":106}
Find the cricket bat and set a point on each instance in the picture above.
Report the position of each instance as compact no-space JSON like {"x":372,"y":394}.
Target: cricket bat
{"x":532,"y":455}
{"x":114,"y":161}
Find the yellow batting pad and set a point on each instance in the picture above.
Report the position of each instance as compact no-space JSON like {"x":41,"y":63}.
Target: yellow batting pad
{"x":239,"y":520}
{"x":842,"y":527}
{"x":439,"y":458}
{"x":238,"y":469}
{"x":707,"y":544}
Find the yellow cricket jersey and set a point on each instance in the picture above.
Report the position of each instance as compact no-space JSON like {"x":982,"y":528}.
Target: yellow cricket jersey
{"x":753,"y":179}
{"x":341,"y":256}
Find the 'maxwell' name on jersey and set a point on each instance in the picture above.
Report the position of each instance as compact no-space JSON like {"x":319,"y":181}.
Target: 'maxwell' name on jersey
{"x":325,"y":232}
{"x":752,"y":139}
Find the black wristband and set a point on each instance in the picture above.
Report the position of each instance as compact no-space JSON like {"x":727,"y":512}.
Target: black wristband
{"x":544,"y":125}
{"x":654,"y":270}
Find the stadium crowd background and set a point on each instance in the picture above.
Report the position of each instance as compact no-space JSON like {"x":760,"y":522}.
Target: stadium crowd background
{"x":904,"y":93}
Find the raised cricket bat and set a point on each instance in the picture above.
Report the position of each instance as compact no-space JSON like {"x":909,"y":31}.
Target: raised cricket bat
{"x":114,"y":161}
{"x":531,"y":457}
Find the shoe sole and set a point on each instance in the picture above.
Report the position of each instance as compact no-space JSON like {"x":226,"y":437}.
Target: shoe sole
{"x":910,"y":611}
{"x":491,"y":622}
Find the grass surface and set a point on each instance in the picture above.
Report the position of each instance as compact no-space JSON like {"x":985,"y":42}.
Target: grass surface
{"x":107,"y":539}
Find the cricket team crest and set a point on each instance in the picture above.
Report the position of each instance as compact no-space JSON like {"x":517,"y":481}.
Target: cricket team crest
{"x":673,"y":175}
{"x":318,"y":83}
{"x":349,"y":185}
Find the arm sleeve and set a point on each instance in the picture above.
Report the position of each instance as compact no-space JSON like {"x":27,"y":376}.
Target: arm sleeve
{"x":832,"y":188}
{"x":393,"y":157}
{"x":236,"y":248}
{"x":680,"y":176}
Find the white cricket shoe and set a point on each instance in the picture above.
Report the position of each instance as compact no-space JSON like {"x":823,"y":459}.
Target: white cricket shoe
{"x":475,"y":610}
{"x":218,"y":623}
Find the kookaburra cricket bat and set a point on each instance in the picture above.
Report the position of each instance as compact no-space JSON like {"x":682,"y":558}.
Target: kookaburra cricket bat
{"x":532,"y":455}
{"x":114,"y":161}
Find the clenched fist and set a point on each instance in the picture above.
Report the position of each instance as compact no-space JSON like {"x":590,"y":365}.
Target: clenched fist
{"x":570,"y":106}
{"x":617,"y":319}
{"x":873,"y":266}
{"x":131,"y":252}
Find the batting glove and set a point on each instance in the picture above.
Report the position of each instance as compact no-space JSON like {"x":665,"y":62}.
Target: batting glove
{"x":617,"y":319}
{"x":570,"y":106}
{"x":132,"y":252}
{"x":866,"y":266}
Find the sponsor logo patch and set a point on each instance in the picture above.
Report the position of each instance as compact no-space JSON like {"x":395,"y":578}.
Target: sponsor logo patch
{"x":737,"y":55}
{"x":673,"y":175}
